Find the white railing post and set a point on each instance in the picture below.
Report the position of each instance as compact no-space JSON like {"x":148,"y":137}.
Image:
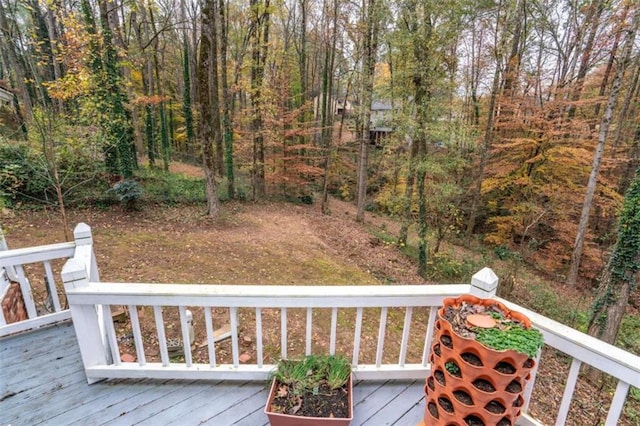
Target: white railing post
{"x":84,"y":246}
{"x":10,"y":270}
{"x":484,"y":283}
{"x":85,"y":318}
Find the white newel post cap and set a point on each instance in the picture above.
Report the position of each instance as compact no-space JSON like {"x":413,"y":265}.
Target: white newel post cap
{"x":82,"y":234}
{"x":484,"y":283}
{"x":74,"y":274}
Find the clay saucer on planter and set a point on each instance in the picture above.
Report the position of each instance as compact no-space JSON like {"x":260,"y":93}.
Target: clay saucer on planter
{"x":480,"y":320}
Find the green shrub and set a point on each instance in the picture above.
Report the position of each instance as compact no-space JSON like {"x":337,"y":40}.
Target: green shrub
{"x":171,"y":188}
{"x":128,"y":192}
{"x":441,"y":266}
{"x":628,"y":336}
{"x":25,"y":175}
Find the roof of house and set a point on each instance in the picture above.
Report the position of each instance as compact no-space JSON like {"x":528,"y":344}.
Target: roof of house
{"x":380,"y":106}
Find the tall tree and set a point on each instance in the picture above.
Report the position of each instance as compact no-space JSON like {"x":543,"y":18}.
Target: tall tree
{"x":7,"y":44}
{"x":605,"y":124}
{"x":371,"y":17}
{"x":206,"y":130}
{"x":260,"y":16}
{"x":327,"y":102}
{"x":622,"y":273}
{"x":114,"y":118}
{"x":227,"y":119}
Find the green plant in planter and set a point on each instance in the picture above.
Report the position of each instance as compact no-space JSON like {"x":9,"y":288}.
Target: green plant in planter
{"x":305,"y":375}
{"x":511,"y":336}
{"x":452,"y":368}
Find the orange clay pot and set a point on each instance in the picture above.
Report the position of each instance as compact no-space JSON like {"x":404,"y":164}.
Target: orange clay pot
{"x":481,"y":395}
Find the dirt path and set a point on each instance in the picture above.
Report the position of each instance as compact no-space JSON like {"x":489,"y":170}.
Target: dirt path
{"x":250,"y":244}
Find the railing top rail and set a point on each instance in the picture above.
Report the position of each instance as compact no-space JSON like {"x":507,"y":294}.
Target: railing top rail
{"x":42,"y":253}
{"x":605,"y":357}
{"x":264,"y":295}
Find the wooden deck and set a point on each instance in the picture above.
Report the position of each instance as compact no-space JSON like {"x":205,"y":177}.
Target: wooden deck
{"x":42,"y":382}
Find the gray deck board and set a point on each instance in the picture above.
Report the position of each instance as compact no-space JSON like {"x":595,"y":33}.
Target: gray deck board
{"x":42,"y":381}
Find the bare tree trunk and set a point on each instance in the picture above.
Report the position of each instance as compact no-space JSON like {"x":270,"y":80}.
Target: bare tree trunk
{"x":206,"y":131}
{"x":593,"y":20}
{"x":227,"y":123}
{"x":605,"y":124}
{"x":215,"y":92}
{"x":259,"y":46}
{"x":53,"y":40}
{"x":329,"y":110}
{"x":7,"y":45}
{"x":408,"y":196}
{"x":369,"y":62}
{"x":484,"y":153}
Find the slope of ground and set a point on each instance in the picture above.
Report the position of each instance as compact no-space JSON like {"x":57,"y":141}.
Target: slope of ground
{"x":268,"y":244}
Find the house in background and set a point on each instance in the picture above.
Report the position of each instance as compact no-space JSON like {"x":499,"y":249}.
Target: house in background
{"x":6,"y":95}
{"x":381,"y":119}
{"x":344,"y":107}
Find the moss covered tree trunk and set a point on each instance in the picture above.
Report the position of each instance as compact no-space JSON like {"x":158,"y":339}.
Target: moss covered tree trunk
{"x":621,"y":274}
{"x":206,"y":130}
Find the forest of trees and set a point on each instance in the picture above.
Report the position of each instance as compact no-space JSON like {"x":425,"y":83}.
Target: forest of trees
{"x":515,"y":122}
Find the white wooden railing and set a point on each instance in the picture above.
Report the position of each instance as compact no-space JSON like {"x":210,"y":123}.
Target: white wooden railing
{"x":88,"y":298}
{"x":41,"y":311}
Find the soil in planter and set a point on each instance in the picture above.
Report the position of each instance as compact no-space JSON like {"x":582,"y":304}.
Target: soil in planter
{"x":514,"y":387}
{"x":471,"y":359}
{"x":436,"y":348}
{"x":445,"y":404}
{"x":446,"y":340}
{"x":484,"y":385}
{"x":439,"y":375}
{"x":433,"y":410}
{"x":463,"y":397}
{"x":323,"y":403}
{"x":504,"y":368}
{"x":476,"y":421}
{"x":495,"y":407}
{"x":457,"y":317}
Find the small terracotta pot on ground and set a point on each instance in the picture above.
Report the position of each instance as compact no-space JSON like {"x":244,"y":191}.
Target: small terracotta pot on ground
{"x":471,"y":384}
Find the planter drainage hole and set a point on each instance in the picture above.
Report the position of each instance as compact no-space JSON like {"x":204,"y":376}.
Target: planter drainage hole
{"x":495,"y":407}
{"x":504,"y":422}
{"x":439,"y":375}
{"x":432,"y":384}
{"x":514,"y":387}
{"x":446,"y":405}
{"x":446,"y":340}
{"x":436,"y":349}
{"x":529,"y":363}
{"x":518,"y":402}
{"x":472,"y":359}
{"x":473,"y":421}
{"x":484,"y":385}
{"x":433,"y":409}
{"x":463,"y":397}
{"x":505,"y":367}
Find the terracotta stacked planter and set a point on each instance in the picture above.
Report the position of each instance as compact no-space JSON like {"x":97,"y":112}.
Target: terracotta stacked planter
{"x":482,"y":395}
